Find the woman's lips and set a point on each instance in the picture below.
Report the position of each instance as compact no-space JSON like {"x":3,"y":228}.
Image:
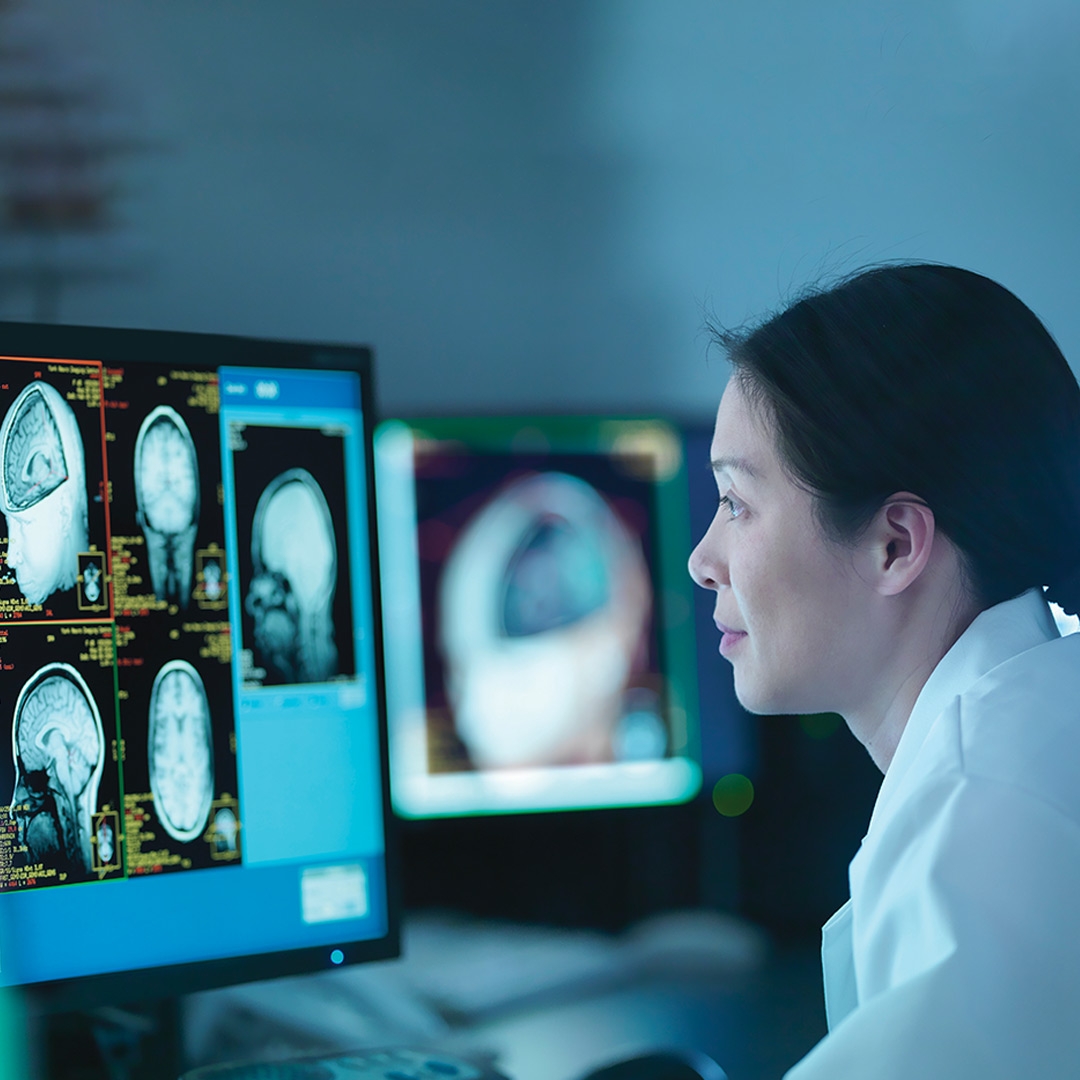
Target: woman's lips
{"x":730,"y":637}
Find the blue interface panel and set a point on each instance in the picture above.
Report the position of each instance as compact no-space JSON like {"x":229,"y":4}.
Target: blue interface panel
{"x":189,"y":738}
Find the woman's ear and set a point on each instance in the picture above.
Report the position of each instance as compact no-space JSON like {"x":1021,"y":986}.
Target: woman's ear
{"x":899,"y":542}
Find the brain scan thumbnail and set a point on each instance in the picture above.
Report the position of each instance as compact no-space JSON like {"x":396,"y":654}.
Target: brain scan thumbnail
{"x":59,"y":749}
{"x":167,"y":500}
{"x":291,"y":596}
{"x":225,"y":829}
{"x":92,"y":583}
{"x":181,"y":751}
{"x":43,"y":491}
{"x":212,"y":579}
{"x":543,"y":609}
{"x":106,"y":842}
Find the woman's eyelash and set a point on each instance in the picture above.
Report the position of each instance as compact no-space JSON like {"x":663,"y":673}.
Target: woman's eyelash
{"x":734,"y":508}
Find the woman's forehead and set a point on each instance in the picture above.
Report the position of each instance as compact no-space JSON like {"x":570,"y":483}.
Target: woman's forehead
{"x":742,"y":443}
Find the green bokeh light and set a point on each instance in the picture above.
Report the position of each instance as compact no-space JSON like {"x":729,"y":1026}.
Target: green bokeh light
{"x":733,"y":794}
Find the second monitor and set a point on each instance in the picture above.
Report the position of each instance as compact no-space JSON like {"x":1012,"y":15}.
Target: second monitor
{"x":538,"y":622}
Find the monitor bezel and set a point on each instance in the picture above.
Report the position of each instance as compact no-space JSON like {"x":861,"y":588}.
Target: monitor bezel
{"x":116,"y":346}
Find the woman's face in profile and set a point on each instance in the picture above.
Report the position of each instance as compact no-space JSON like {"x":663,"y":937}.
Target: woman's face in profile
{"x":789,"y":602}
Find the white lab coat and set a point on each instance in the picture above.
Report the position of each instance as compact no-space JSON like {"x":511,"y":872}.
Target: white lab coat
{"x":958,"y":954}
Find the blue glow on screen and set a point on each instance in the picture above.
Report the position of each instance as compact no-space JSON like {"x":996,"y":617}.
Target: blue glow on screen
{"x":308,"y":763}
{"x":170,"y":919}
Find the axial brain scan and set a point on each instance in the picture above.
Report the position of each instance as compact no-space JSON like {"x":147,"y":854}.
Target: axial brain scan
{"x":92,"y":583}
{"x":167,"y":497}
{"x":292,"y":592}
{"x":181,"y":750}
{"x":543,"y":611}
{"x":43,"y":491}
{"x":59,"y":750}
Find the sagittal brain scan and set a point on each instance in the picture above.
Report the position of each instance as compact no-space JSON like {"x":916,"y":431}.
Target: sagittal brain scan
{"x":181,"y":751}
{"x":291,"y":597}
{"x":43,"y":491}
{"x":543,"y":611}
{"x":59,"y":751}
{"x":167,"y":498}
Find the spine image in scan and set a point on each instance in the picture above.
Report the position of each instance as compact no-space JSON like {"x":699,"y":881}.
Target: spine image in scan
{"x":59,"y":749}
{"x":60,"y":785}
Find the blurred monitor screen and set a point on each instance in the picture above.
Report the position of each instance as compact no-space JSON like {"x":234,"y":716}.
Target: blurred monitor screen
{"x":193,"y":776}
{"x":538,"y":616}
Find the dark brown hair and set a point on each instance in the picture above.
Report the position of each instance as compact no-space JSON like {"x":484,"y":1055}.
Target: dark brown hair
{"x":940,"y":382}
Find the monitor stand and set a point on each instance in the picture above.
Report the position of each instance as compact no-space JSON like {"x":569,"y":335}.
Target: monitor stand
{"x":131,"y":1043}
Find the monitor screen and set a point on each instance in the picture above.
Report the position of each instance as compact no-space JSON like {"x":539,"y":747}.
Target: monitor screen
{"x":194,"y":787}
{"x":538,"y":617}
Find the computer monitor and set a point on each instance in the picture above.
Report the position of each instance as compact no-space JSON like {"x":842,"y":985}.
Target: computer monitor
{"x":193,"y":770}
{"x":538,"y":616}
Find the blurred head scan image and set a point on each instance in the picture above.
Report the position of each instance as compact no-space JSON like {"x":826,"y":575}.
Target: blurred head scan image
{"x":43,"y":491}
{"x":181,"y":751}
{"x":543,"y":610}
{"x":167,"y":501}
{"x":291,"y":597}
{"x":59,"y":750}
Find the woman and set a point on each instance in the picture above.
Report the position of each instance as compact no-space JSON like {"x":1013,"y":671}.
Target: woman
{"x":898,"y":464}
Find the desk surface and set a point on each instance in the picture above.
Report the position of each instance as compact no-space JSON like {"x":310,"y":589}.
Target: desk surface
{"x":755,"y":1024}
{"x":756,"y":1019}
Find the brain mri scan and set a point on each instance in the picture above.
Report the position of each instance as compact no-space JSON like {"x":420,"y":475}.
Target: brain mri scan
{"x":543,"y":609}
{"x":167,"y":499}
{"x":92,"y":583}
{"x":59,"y":750}
{"x":212,"y":580}
{"x":181,"y":751}
{"x":43,"y":491}
{"x":225,"y":829}
{"x":291,"y":596}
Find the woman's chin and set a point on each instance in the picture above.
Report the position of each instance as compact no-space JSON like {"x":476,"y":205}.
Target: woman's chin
{"x":768,"y":700}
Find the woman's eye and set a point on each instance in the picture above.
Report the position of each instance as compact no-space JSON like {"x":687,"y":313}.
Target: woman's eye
{"x":733,"y":508}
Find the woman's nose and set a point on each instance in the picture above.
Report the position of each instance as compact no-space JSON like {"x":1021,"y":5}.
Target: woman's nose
{"x":704,"y":564}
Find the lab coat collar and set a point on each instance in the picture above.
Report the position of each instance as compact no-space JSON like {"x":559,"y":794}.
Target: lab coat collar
{"x":996,"y":635}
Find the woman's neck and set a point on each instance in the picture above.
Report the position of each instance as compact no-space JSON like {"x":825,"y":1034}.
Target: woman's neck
{"x":918,"y":630}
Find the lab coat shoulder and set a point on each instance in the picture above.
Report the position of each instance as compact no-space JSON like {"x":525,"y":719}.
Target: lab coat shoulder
{"x":1020,"y":724}
{"x":963,"y":951}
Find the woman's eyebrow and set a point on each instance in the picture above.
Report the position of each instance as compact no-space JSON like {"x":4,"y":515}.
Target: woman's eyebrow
{"x":734,"y":464}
